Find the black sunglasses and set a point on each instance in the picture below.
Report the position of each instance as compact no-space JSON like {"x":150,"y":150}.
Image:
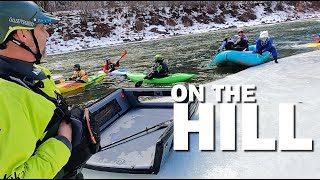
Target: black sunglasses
{"x":240,"y":32}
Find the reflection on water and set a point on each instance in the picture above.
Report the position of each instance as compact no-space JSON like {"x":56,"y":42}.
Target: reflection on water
{"x":184,"y":54}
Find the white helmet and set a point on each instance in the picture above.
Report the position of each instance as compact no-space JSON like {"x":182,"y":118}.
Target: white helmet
{"x":264,"y":34}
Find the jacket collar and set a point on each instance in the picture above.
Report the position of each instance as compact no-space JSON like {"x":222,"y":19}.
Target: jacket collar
{"x":13,"y":67}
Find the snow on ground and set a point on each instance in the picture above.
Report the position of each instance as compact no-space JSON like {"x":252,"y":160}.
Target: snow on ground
{"x":294,"y":80}
{"x":57,"y":45}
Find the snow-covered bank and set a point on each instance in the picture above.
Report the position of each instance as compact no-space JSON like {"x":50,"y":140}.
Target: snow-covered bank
{"x":111,"y":26}
{"x":294,"y":80}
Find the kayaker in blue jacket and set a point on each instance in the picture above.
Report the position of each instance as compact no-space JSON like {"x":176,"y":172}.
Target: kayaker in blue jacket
{"x":264,"y":43}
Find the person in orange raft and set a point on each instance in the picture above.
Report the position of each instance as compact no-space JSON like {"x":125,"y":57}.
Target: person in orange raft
{"x":109,"y":66}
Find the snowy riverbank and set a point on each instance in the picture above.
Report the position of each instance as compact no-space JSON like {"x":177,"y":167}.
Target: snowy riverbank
{"x":108,"y":27}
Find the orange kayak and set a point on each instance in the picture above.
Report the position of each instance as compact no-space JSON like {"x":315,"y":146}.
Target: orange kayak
{"x":73,"y":85}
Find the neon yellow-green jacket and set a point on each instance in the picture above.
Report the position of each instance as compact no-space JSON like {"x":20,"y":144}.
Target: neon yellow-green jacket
{"x":24,"y":116}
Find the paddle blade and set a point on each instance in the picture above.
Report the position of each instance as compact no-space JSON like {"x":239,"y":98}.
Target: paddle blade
{"x":124,"y":54}
{"x":138,"y":84}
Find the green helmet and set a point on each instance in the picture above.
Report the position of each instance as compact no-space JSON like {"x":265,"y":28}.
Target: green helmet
{"x":158,"y":57}
{"x":21,"y":15}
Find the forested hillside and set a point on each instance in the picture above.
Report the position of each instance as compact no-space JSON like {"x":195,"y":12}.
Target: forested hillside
{"x":94,"y":23}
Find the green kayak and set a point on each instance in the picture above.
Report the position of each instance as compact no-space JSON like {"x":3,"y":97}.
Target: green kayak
{"x":172,"y":78}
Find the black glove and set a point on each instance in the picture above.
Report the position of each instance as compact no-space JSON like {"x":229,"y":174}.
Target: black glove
{"x":76,"y":119}
{"x":149,"y":76}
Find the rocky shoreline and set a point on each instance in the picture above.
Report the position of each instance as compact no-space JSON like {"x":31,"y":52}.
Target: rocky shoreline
{"x":79,"y":30}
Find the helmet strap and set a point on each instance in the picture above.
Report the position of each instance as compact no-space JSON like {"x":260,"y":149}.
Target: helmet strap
{"x":37,"y":56}
{"x":4,"y":44}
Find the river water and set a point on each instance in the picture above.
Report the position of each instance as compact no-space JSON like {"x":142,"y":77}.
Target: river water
{"x":184,"y":54}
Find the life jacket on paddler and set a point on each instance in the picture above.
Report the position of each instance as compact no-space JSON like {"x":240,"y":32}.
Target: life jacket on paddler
{"x":79,"y":74}
{"x":109,"y":66}
{"x":28,"y":78}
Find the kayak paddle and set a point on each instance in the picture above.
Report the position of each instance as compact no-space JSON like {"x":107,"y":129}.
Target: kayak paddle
{"x":138,"y":84}
{"x":131,"y":137}
{"x":58,"y":79}
{"x":122,"y":55}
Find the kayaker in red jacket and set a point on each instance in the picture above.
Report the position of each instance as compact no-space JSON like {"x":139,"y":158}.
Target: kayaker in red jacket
{"x":317,"y":38}
{"x":109,"y":66}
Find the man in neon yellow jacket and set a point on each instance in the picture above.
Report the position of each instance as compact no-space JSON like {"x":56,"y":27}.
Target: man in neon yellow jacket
{"x":29,"y":98}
